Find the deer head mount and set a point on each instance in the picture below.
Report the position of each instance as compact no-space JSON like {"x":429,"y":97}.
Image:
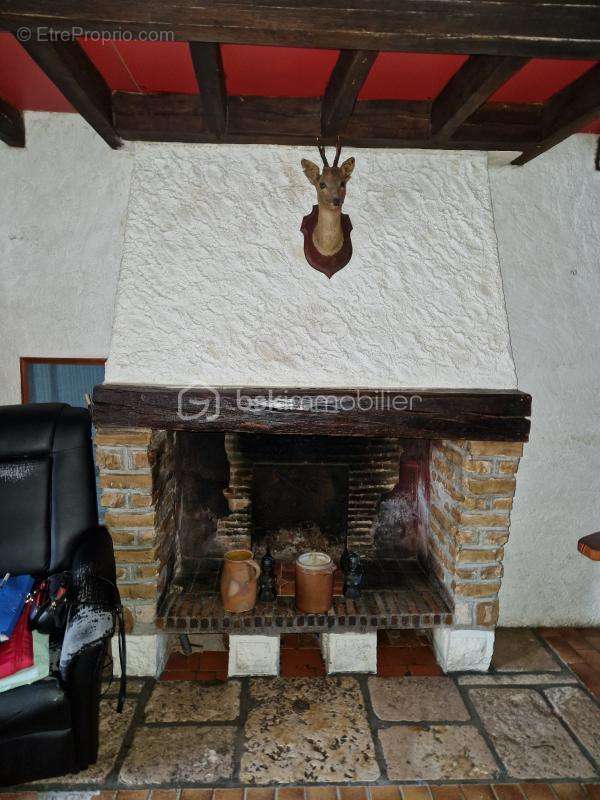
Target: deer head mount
{"x":326,"y":230}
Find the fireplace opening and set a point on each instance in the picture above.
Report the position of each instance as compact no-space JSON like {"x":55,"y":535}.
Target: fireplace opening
{"x":299,"y":507}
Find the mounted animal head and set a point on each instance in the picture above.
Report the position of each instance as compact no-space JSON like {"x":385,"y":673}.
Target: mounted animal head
{"x":330,"y":183}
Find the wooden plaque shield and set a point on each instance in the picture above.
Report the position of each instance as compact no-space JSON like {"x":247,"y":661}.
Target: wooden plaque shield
{"x":328,"y":265}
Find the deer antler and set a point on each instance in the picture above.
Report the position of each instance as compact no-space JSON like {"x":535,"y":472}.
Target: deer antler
{"x":323,"y":156}
{"x":338,"y":150}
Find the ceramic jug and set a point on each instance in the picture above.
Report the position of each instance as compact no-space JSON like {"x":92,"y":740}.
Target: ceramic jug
{"x":314,"y":583}
{"x":239,"y":581}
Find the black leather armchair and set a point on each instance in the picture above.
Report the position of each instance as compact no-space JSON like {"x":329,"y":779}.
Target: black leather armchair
{"x":49,"y":525}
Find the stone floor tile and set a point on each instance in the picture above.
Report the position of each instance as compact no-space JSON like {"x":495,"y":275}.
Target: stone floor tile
{"x":519,"y":650}
{"x":133,"y":794}
{"x":179,"y":754}
{"x":163,"y":794}
{"x":190,"y":701}
{"x":520,"y":679}
{"x":580,"y":713}
{"x":436,"y":753}
{"x":527,"y":736}
{"x":417,"y":699}
{"x":134,"y":686}
{"x":307,"y":730}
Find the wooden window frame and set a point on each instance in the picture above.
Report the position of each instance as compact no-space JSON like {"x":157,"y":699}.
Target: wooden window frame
{"x":25,"y":361}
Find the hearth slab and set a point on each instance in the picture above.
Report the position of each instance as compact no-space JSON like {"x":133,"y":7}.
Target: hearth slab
{"x":307,"y":730}
{"x":414,"y":603}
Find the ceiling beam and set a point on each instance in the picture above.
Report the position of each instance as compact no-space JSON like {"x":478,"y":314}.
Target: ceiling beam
{"x":12,"y":128}
{"x":74,"y":75}
{"x":297,"y":120}
{"x":567,"y":112}
{"x":536,"y":28}
{"x":208,"y":66}
{"x":468,"y":89}
{"x":345,"y":82}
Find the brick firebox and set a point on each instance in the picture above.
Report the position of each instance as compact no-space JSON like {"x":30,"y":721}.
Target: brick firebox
{"x":471,"y":488}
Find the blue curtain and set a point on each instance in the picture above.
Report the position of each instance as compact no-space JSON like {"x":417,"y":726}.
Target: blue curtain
{"x":62,"y":383}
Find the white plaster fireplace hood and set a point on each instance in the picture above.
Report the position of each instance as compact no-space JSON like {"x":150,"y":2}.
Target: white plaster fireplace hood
{"x":214,"y":288}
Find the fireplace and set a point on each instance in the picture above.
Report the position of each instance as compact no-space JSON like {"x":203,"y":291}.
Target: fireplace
{"x":428,"y":514}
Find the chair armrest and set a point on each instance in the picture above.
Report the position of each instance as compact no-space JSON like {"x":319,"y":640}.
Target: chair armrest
{"x":94,"y":597}
{"x":83,"y":688}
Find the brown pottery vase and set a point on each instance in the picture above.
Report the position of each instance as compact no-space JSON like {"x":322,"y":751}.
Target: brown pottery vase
{"x":314,"y":583}
{"x":239,"y":581}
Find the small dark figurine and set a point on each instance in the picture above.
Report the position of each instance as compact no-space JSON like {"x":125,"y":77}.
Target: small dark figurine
{"x":353,"y":574}
{"x":267,"y":591}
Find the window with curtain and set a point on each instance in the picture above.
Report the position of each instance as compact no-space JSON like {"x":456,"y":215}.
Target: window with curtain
{"x":54,"y":380}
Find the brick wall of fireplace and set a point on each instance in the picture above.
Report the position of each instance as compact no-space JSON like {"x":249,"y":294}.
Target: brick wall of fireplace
{"x":463,"y":499}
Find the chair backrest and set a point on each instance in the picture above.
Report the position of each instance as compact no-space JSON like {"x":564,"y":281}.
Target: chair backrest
{"x":47,"y":486}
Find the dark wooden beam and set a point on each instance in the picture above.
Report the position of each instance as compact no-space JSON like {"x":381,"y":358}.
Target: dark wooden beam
{"x":468,"y":89}
{"x":74,"y":75}
{"x":12,"y":129}
{"x":567,"y":112}
{"x":535,"y":28}
{"x":345,"y":82}
{"x":423,"y":413}
{"x":296,"y":120}
{"x":208,"y":65}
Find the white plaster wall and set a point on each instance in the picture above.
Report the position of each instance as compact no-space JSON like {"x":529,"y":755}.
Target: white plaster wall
{"x":62,"y":213}
{"x":214,"y":287}
{"x":547,"y":218}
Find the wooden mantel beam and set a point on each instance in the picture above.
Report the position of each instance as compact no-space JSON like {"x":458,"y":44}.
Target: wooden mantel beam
{"x":208,"y":65}
{"x":297,"y":120}
{"x":12,"y":129}
{"x":567,"y":112}
{"x":74,"y":75}
{"x":345,"y":82}
{"x":536,"y":28}
{"x":468,"y":89}
{"x":423,"y":413}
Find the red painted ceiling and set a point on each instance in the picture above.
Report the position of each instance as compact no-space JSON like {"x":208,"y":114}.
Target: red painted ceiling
{"x":268,"y":71}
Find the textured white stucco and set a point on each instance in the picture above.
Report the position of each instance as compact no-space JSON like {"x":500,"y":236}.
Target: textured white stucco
{"x":62,"y":215}
{"x":548,"y":223}
{"x":214,"y":287}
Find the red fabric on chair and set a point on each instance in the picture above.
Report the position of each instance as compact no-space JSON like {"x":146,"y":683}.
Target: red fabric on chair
{"x":17,"y":653}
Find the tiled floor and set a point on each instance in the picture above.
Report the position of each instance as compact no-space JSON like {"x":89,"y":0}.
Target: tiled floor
{"x":527,"y":730}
